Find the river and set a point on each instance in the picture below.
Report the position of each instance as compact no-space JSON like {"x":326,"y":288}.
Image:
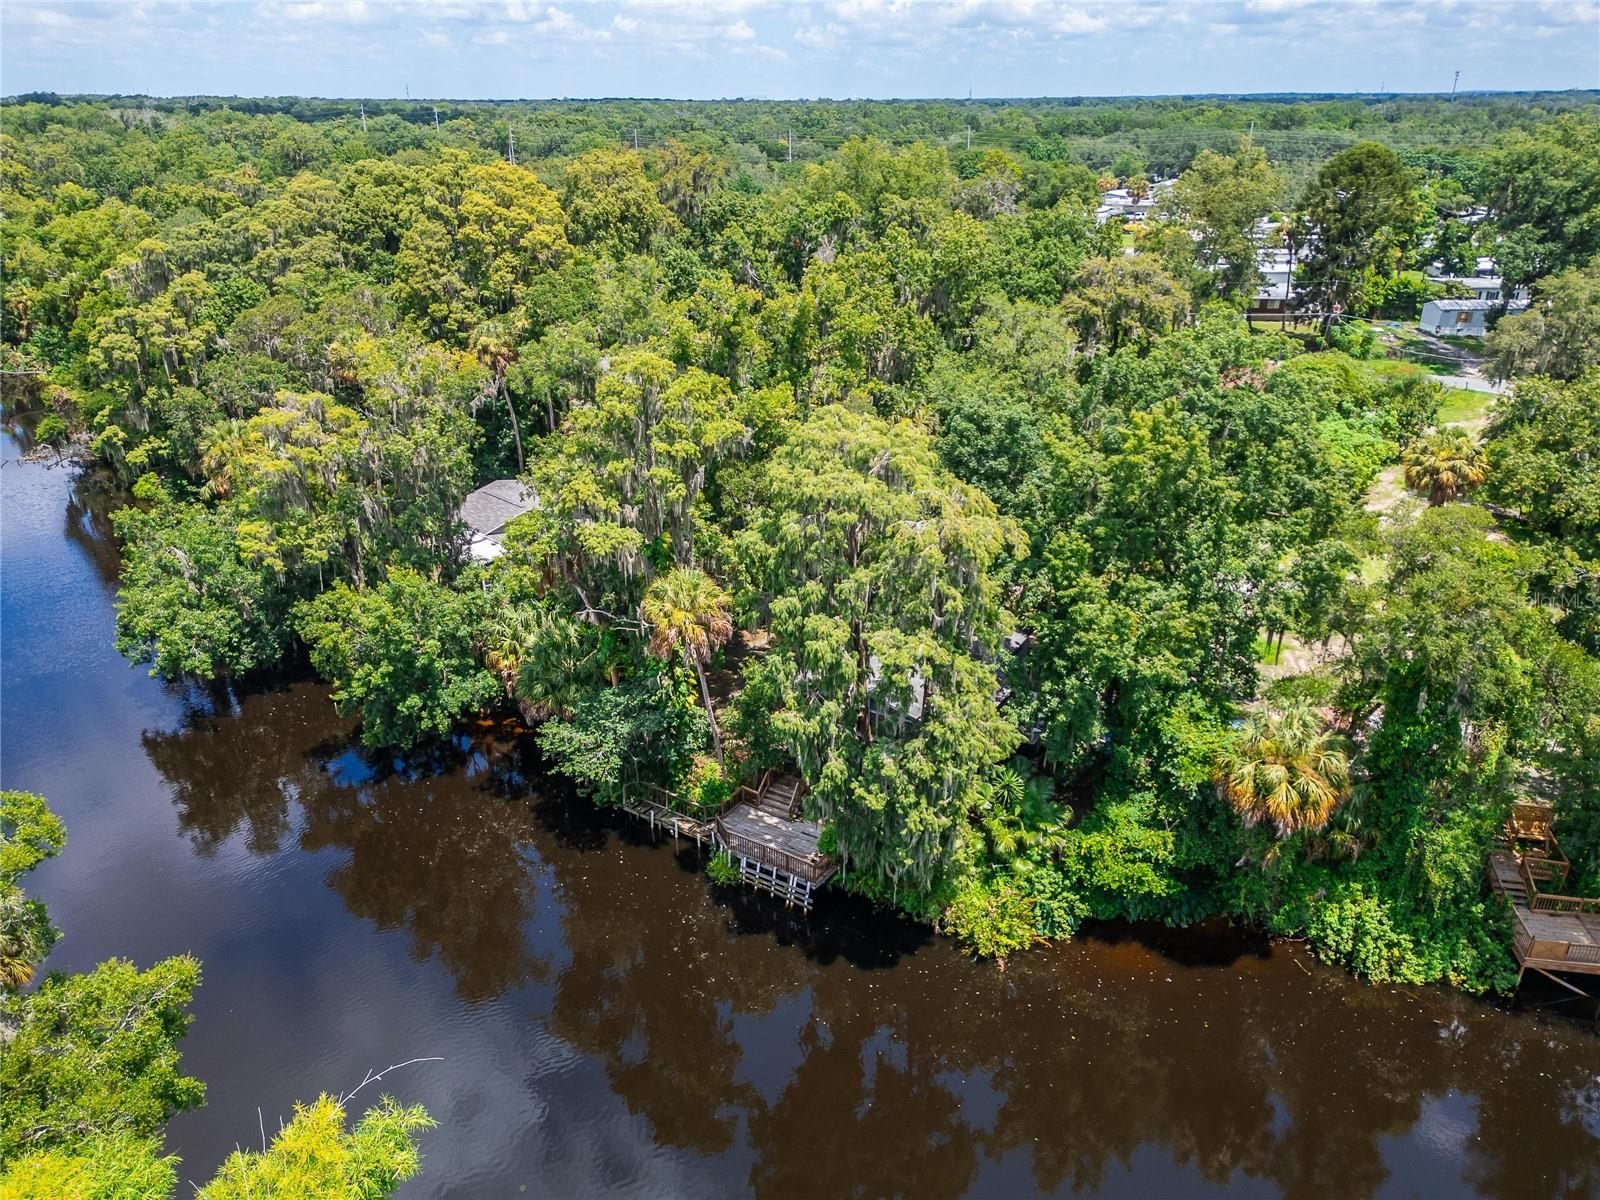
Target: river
{"x":610,"y":1025}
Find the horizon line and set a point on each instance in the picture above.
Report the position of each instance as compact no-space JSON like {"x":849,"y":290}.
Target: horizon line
{"x":34,"y":95}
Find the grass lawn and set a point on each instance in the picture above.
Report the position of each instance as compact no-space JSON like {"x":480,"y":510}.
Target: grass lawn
{"x":1405,"y":344}
{"x":1392,"y":368}
{"x":1461,"y":405}
{"x":1264,"y":655}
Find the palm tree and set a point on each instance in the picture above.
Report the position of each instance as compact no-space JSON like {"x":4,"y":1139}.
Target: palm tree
{"x":687,"y":612}
{"x":21,"y":939}
{"x":1445,"y":467}
{"x":494,"y":343}
{"x":1286,"y":767}
{"x":1024,"y":815}
{"x":506,"y":640}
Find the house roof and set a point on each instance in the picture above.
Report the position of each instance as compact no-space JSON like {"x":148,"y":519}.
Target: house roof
{"x":1464,"y":305}
{"x":1478,"y":283}
{"x":492,"y":507}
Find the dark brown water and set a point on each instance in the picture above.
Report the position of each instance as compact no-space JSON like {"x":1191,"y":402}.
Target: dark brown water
{"x":609,"y":1026}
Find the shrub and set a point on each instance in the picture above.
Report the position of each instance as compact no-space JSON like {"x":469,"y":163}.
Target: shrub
{"x":721,"y":869}
{"x":51,"y":430}
{"x":705,"y":791}
{"x":828,"y":841}
{"x":992,"y":921}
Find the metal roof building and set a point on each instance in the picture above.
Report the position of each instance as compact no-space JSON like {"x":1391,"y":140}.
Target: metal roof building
{"x":1469,"y":318}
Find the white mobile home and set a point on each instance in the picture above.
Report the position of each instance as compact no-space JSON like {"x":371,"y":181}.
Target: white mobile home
{"x":1466,"y":318}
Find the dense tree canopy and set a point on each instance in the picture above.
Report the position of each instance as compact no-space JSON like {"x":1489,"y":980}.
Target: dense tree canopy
{"x":895,"y":464}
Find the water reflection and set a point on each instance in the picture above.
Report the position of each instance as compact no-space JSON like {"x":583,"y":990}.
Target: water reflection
{"x":231,"y":765}
{"x":848,"y":1052}
{"x":431,"y":845}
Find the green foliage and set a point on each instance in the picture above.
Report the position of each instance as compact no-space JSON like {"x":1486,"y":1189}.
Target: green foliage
{"x":878,"y":571}
{"x":1558,"y":335}
{"x":721,"y":869}
{"x":1214,"y":207}
{"x":118,"y":1166}
{"x":1286,"y":768}
{"x":1447,"y":466}
{"x":705,"y":790}
{"x":1398,"y":299}
{"x":1357,"y":449}
{"x":1122,"y":860}
{"x":1544,"y":193}
{"x":96,"y":1054}
{"x":1370,"y":929}
{"x":190,"y":603}
{"x":1360,"y":221}
{"x":860,"y":406}
{"x":992,"y":921}
{"x":645,"y":730}
{"x":89,"y":1077}
{"x":1542,"y":446}
{"x":29,"y":834}
{"x":610,"y":204}
{"x":315,"y":1157}
{"x":1125,"y":300}
{"x":828,"y":841}
{"x":400,"y":655}
{"x":1354,"y":338}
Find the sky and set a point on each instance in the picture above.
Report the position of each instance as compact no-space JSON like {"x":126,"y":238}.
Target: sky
{"x":775,"y":50}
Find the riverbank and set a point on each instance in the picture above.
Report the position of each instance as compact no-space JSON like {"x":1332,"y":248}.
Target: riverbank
{"x":608,"y":1023}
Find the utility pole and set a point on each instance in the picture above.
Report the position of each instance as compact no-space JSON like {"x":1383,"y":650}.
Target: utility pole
{"x":1453,"y":83}
{"x":511,"y":145}
{"x":436,"y":118}
{"x":636,"y":138}
{"x":969,"y":135}
{"x":791,"y":145}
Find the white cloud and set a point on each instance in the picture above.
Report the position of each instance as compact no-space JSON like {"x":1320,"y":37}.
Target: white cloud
{"x":843,"y":47}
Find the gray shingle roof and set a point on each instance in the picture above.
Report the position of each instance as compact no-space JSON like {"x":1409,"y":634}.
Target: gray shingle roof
{"x":489,"y":509}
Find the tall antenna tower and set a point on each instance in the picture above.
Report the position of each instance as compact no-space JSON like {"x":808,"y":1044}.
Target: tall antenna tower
{"x":511,"y":145}
{"x":363,"y":116}
{"x":1453,"y":83}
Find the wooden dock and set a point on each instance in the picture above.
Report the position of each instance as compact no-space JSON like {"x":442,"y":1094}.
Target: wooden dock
{"x":776,"y":850}
{"x":655,"y":806}
{"x":1554,"y":934}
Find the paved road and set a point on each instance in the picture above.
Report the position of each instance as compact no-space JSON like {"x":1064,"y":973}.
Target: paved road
{"x":1472,"y":380}
{"x":1467,"y":366}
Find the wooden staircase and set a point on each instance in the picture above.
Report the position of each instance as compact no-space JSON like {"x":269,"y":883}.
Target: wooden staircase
{"x":781,"y":797}
{"x":1507,"y":877}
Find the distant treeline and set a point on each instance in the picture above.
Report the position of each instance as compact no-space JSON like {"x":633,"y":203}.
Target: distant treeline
{"x":1162,"y":133}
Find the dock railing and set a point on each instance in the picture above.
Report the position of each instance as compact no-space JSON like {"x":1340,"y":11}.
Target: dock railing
{"x":662,"y":808}
{"x":745,"y":792}
{"x":1538,"y":869}
{"x":813,"y":868}
{"x":1550,"y":952}
{"x":1550,"y":902}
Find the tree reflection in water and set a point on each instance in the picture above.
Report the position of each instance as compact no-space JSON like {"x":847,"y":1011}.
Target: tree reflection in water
{"x":850,"y":1053}
{"x":435,"y":845}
